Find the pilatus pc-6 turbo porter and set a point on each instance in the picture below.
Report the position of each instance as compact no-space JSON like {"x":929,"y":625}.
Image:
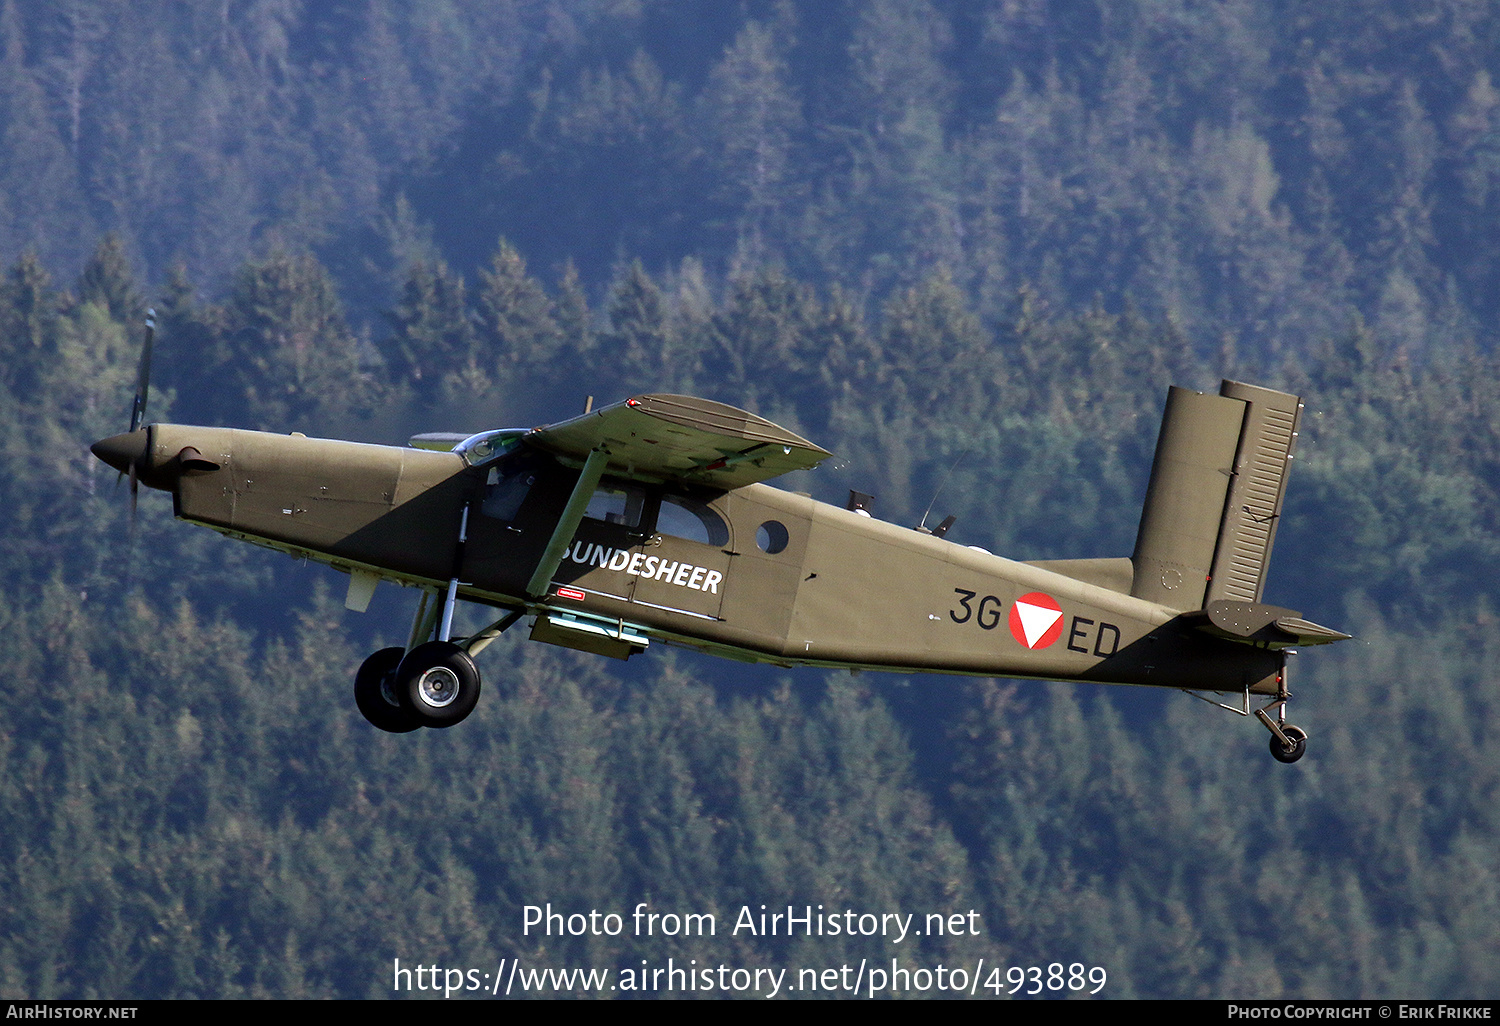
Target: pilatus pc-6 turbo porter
{"x":649,"y":521}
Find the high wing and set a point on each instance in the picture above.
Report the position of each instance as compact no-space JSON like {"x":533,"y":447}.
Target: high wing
{"x":658,"y":438}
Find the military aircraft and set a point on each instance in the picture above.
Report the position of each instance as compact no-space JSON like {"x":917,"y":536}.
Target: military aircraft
{"x":649,"y":521}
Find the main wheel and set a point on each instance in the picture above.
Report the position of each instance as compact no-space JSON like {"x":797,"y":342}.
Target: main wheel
{"x":437,"y":684}
{"x":1297,"y":736}
{"x":374,"y":692}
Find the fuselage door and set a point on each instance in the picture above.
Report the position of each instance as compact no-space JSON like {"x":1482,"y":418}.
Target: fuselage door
{"x":686,"y":559}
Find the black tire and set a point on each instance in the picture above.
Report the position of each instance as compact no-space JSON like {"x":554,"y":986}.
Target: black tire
{"x":437,"y":684}
{"x":375,"y":692}
{"x":1297,"y":736}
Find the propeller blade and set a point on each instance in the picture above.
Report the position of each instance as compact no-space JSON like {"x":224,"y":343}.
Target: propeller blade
{"x":143,"y":379}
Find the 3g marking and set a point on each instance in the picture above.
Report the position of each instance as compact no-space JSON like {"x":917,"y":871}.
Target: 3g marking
{"x":988,"y":616}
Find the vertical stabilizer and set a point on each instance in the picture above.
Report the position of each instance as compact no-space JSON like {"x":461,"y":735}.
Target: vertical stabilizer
{"x":1214,"y":496}
{"x":1184,"y":509}
{"x":1256,"y":491}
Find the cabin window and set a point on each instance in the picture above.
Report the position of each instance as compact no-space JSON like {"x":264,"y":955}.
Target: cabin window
{"x":772,"y":537}
{"x":617,"y":505}
{"x":682,"y":517}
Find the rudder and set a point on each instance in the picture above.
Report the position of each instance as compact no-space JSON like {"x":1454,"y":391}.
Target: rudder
{"x":1256,"y":492}
{"x":1214,"y":495}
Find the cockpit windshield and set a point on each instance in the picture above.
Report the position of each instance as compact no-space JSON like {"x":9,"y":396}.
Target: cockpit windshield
{"x":477,"y":450}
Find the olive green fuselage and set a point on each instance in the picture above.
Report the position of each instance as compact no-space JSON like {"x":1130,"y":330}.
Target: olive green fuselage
{"x":775,"y":577}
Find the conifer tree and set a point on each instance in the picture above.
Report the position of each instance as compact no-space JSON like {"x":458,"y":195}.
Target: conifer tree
{"x":108,"y":281}
{"x":292,"y":355}
{"x":431,"y":333}
{"x":641,"y":341}
{"x":517,"y":333}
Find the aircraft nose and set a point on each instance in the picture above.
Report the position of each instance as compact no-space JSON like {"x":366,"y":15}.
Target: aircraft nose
{"x":120,"y":451}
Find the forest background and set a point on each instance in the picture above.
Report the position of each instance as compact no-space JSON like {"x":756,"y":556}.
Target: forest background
{"x":926,"y":234}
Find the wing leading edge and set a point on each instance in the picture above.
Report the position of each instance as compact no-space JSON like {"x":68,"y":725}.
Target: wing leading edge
{"x":680,"y":438}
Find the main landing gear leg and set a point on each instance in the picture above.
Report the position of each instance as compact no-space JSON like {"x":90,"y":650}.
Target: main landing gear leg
{"x":436,"y":683}
{"x":430,"y":683}
{"x":433,"y":682}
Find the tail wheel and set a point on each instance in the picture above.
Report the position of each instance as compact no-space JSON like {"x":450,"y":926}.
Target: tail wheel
{"x":1297,"y":736}
{"x":375,"y":693}
{"x":437,"y":684}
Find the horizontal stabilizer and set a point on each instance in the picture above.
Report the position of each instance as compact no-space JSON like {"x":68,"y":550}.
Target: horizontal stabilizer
{"x":1308,"y":633}
{"x":1255,"y":623}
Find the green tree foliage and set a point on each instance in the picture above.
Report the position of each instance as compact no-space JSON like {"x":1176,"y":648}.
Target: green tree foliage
{"x":200,"y":811}
{"x":431,"y":333}
{"x":40,"y":182}
{"x":108,"y":281}
{"x":752,"y":117}
{"x":30,"y":309}
{"x":287,"y":348}
{"x":1246,"y":170}
{"x":649,"y":352}
{"x":520,"y":337}
{"x":896,"y":214}
{"x":767,"y":336}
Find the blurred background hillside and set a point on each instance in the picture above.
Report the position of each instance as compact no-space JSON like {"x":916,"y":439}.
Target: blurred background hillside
{"x":925,"y":234}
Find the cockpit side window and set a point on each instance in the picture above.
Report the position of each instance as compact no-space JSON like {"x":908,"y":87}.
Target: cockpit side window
{"x":506,"y":487}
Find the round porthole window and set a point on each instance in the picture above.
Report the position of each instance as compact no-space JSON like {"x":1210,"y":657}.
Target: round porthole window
{"x":771,"y":536}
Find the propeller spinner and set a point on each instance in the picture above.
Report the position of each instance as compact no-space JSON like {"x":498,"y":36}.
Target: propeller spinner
{"x":132,"y":452}
{"x":127,"y":452}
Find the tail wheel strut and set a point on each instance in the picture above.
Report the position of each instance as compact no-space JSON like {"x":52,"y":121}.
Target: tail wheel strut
{"x":1288,"y":743}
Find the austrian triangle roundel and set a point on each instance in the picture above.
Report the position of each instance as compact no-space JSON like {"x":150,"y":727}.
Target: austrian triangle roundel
{"x":1036,"y":620}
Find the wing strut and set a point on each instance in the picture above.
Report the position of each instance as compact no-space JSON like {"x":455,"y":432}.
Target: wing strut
{"x":567,"y":524}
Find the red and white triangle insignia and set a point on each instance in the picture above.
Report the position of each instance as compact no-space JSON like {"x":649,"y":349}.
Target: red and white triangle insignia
{"x":1036,"y":620}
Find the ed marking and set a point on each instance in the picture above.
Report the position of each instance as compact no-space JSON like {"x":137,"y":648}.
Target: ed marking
{"x":1079,"y":631}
